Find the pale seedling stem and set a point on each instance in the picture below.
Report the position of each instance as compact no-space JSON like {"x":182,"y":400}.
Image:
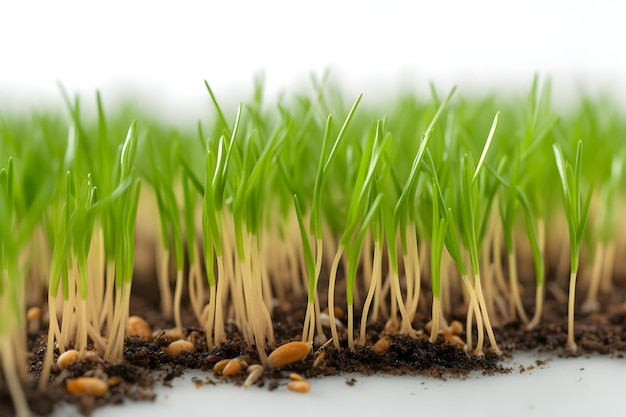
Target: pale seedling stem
{"x":576,"y":212}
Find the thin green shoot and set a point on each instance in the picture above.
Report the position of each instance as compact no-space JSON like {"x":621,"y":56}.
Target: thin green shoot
{"x":576,"y":211}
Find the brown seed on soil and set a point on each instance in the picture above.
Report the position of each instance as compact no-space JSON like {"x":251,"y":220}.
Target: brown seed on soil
{"x":178,"y":346}
{"x":173,"y":334}
{"x":233,"y":367}
{"x":90,"y":386}
{"x":299,"y":386}
{"x":295,"y":377}
{"x":382,"y":346}
{"x":137,"y":326}
{"x":219,"y":366}
{"x":288,"y":353}
{"x":66,"y":358}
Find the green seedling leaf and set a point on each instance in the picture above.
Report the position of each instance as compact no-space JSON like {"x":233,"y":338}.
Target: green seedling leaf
{"x":483,"y":155}
{"x":220,"y":114}
{"x":309,"y":258}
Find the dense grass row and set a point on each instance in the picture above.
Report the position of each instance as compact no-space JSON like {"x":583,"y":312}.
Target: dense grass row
{"x":471,"y":198}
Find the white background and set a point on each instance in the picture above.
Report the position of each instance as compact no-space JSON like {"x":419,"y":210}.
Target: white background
{"x":162,"y":51}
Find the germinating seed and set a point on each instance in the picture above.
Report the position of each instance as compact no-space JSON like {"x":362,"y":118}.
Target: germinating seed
{"x":66,"y":358}
{"x":94,"y":387}
{"x":233,"y":367}
{"x":254,"y":373}
{"x":299,"y":386}
{"x":288,"y":353}
{"x":138,"y":327}
{"x":178,"y":346}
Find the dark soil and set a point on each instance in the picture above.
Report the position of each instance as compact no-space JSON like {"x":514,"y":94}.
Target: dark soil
{"x":146,"y":363}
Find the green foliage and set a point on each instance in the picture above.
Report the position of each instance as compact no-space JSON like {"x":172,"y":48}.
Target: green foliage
{"x":421,"y":165}
{"x":576,"y":206}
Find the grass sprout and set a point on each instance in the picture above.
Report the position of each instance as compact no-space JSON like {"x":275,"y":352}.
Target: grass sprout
{"x":412,"y":217}
{"x":576,"y":211}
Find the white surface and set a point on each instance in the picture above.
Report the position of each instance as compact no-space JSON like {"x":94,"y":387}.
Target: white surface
{"x":561,"y":387}
{"x":166,"y":49}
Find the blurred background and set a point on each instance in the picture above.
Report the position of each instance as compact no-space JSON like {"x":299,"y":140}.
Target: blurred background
{"x":160,"y":52}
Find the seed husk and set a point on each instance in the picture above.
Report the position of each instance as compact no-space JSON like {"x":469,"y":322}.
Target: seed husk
{"x":288,"y":353}
{"x":90,"y":386}
{"x":255,"y":372}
